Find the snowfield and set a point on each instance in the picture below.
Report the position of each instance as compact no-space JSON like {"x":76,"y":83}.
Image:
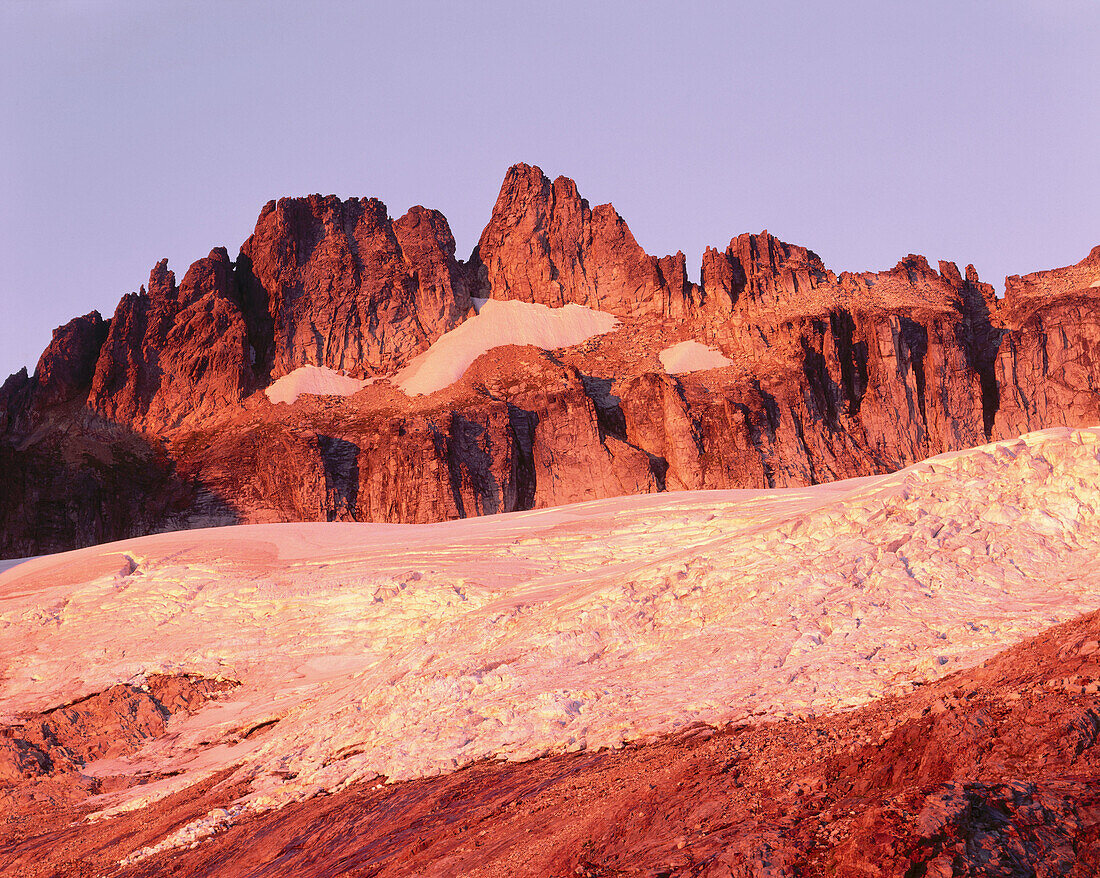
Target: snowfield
{"x":319,"y":380}
{"x":403,"y":651}
{"x":494,"y":324}
{"x":692,"y":356}
{"x":498,"y":323}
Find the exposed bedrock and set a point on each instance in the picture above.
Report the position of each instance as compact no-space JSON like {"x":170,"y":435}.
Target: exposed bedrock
{"x":88,"y":482}
{"x":544,"y":244}
{"x":338,"y":283}
{"x":175,"y":353}
{"x":542,"y":446}
{"x":1048,"y":365}
{"x":832,"y":375}
{"x":115,"y":722}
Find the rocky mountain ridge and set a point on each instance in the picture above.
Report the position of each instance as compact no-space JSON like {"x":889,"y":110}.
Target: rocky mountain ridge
{"x":156,"y":418}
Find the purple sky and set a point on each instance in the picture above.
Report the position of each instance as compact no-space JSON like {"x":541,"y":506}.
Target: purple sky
{"x":134,"y":131}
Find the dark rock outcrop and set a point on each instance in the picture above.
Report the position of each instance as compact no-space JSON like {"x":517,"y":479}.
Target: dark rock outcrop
{"x":64,"y":372}
{"x":85,"y":483}
{"x":67,"y":365}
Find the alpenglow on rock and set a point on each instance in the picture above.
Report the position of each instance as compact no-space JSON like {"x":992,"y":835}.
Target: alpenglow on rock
{"x":159,"y":418}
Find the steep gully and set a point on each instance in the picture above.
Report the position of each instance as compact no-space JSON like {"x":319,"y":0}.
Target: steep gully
{"x":155,"y":418}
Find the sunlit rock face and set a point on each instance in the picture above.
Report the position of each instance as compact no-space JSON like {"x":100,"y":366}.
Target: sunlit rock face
{"x":1048,"y":362}
{"x":828,"y":643}
{"x":348,"y":366}
{"x":173,"y":353}
{"x":545,"y":245}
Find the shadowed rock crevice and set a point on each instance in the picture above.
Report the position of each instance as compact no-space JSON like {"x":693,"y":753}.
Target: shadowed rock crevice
{"x":260,"y":329}
{"x":341,"y":464}
{"x":853,"y":359}
{"x":609,"y":412}
{"x":822,"y":393}
{"x":470,"y":462}
{"x":913,"y":346}
{"x":980,"y":336}
{"x":991,"y":398}
{"x":659,"y":467}
{"x":522,"y":425}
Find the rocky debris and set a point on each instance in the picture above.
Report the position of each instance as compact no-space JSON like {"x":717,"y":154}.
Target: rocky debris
{"x":339,"y":284}
{"x":107,"y":724}
{"x":831,"y":376}
{"x":993,"y":770}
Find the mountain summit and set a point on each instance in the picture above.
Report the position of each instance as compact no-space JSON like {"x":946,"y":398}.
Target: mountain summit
{"x":575,"y":384}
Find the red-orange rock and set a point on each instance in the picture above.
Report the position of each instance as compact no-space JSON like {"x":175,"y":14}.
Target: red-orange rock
{"x":1048,"y":364}
{"x":831,"y":376}
{"x":339,"y":284}
{"x":760,"y":271}
{"x":67,"y":365}
{"x":543,"y":244}
{"x":174,"y":353}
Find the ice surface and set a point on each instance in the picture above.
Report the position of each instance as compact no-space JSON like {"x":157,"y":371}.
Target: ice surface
{"x":11,"y":562}
{"x":691,"y":356}
{"x":408,"y":650}
{"x":498,"y":323}
{"x":319,"y":380}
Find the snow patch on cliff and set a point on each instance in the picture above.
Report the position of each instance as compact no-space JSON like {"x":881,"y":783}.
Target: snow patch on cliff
{"x":498,"y":323}
{"x":318,"y":380}
{"x":691,"y":356}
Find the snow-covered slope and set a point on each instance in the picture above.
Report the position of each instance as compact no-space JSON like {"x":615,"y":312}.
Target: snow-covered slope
{"x":410,"y":650}
{"x":692,"y":356}
{"x":499,"y":323}
{"x":319,"y":380}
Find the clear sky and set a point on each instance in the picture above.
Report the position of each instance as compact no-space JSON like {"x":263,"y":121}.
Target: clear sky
{"x":134,"y":131}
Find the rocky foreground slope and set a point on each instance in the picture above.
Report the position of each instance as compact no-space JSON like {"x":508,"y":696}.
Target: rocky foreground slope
{"x":157,"y":418}
{"x":993,"y":771}
{"x":855,"y":679}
